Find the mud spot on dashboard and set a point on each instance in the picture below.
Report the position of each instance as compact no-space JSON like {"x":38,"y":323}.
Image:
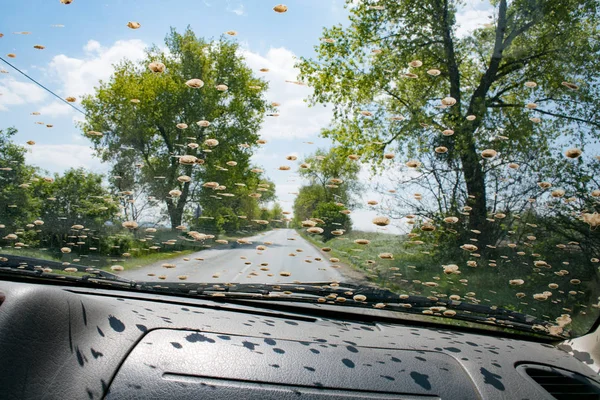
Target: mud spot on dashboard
{"x":79,"y":356}
{"x":315,"y":351}
{"x":348,"y":363}
{"x":116,"y":324}
{"x":472,"y":344}
{"x":349,"y":342}
{"x":492,"y":379}
{"x":197,"y":337}
{"x":270,"y":342}
{"x":185,"y":309}
{"x":452,"y":349}
{"x":95,"y":353}
{"x":583,"y":356}
{"x":421,"y":358}
{"x":176,"y":345}
{"x":497,"y":365}
{"x":564,"y":347}
{"x":224,"y":337}
{"x":396,"y":360}
{"x":311,"y":369}
{"x":279,"y":351}
{"x":100,"y":331}
{"x":274,"y":365}
{"x":141,"y":327}
{"x":421,"y":380}
{"x":352,"y":349}
{"x":249,"y":345}
{"x":83,"y":313}
{"x":291,"y":323}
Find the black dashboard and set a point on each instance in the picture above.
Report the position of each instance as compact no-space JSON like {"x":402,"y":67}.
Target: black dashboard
{"x":64,"y":342}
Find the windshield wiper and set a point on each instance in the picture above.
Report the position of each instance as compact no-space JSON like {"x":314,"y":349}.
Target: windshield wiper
{"x":308,"y":291}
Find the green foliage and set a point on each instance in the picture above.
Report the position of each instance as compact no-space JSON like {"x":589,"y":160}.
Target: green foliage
{"x":318,"y":199}
{"x":306,"y":202}
{"x":18,"y":206}
{"x":333,"y":218}
{"x":326,"y":165}
{"x":145,"y":133}
{"x":76,"y":197}
{"x":366,"y":67}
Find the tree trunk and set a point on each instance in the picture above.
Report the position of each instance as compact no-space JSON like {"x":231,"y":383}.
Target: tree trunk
{"x":176,"y":210}
{"x":475,"y":183}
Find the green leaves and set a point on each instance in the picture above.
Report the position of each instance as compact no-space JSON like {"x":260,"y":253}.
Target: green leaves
{"x":384,"y":62}
{"x":146,"y":133}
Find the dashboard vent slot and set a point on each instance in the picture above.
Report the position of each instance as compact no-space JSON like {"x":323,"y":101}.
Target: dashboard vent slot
{"x":563,"y":385}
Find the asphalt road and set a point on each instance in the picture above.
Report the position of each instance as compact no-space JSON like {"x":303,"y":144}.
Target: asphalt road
{"x":243,"y":263}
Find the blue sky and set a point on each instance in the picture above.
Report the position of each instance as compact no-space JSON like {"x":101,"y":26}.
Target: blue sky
{"x":84,"y":38}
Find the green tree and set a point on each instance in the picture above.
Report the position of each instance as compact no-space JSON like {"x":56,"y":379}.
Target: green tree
{"x":139,"y":112}
{"x":333,"y":171}
{"x":77,"y":197}
{"x":18,"y":207}
{"x":332,"y":219}
{"x":307,"y":200}
{"x":332,"y":178}
{"x":399,"y":76}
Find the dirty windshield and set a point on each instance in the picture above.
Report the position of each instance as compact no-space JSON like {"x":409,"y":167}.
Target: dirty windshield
{"x":445,"y":151}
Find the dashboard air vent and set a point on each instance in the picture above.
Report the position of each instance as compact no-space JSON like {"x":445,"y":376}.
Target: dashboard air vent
{"x":562,"y":384}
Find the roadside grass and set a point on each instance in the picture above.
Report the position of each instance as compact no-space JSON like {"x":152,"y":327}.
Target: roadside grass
{"x":98,"y":261}
{"x":417,"y":269}
{"x":33,"y":253}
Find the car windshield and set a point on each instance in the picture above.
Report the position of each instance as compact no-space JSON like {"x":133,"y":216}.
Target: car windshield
{"x":434,"y":155}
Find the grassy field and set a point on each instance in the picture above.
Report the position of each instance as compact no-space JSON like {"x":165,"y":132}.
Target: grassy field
{"x":418,"y":270}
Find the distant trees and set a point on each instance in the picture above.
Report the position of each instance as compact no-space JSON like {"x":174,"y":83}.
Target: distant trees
{"x":332,"y":183}
{"x":18,"y":206}
{"x":77,"y":197}
{"x":73,"y":209}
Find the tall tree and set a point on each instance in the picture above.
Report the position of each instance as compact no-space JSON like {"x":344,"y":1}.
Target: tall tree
{"x":332,"y":185}
{"x":400,"y":76}
{"x":195,"y":98}
{"x":334,"y":172}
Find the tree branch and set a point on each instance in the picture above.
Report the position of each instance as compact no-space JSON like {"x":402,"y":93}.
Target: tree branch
{"x":569,"y":117}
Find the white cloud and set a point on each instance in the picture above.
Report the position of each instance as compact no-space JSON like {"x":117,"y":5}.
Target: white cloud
{"x":56,"y":109}
{"x":469,"y":20}
{"x":473,"y":14}
{"x":59,"y":157}
{"x":237,"y":10}
{"x":296,"y":119}
{"x":14,"y":93}
{"x":79,"y":75}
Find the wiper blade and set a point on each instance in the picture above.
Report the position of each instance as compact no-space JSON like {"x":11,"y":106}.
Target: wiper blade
{"x":374,"y":296}
{"x":11,"y":263}
{"x":315,"y":292}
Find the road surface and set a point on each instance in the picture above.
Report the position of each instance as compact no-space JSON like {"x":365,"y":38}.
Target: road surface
{"x":243,"y":263}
